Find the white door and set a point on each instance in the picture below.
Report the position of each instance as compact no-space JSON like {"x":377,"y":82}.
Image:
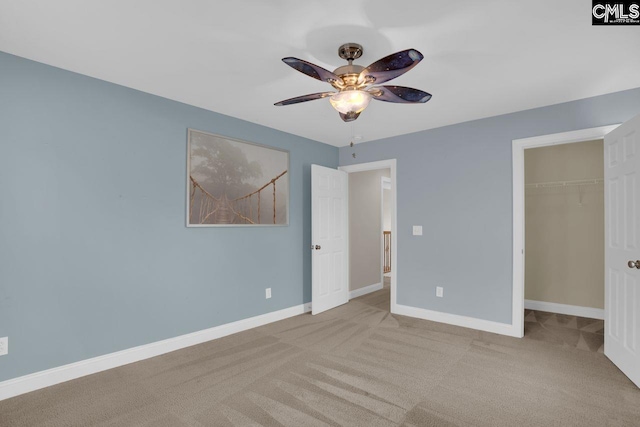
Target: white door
{"x":329,"y":225}
{"x":622,"y":248}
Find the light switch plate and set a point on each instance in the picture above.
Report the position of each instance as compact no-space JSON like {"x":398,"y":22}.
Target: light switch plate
{"x":267,"y":293}
{"x":4,"y":346}
{"x":417,"y":230}
{"x":439,"y":291}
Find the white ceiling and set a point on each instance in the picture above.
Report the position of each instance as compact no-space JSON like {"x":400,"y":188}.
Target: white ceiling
{"x":482,"y":58}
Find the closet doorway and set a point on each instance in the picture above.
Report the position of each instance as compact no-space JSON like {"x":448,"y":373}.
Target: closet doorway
{"x":519,"y":147}
{"x":564,"y":244}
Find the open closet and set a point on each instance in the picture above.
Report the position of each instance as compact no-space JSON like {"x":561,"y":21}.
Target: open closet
{"x":564,"y":237}
{"x":564,"y":224}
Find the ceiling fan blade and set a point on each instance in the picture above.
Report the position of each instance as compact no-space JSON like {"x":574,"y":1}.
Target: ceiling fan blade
{"x":399,"y":94}
{"x":349,"y":117}
{"x":390,"y":67}
{"x":304,"y":98}
{"x":311,"y":70}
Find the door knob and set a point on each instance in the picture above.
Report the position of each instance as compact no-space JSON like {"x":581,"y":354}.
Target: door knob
{"x":633,"y":264}
{"x":316,"y":247}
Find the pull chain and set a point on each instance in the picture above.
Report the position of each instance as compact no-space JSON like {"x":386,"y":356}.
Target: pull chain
{"x":352,"y":144}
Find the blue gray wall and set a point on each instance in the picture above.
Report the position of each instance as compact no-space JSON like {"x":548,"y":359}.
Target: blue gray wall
{"x":94,"y":253}
{"x":456,"y":182}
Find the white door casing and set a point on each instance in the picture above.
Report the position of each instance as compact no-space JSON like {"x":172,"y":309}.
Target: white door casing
{"x":385,"y":184}
{"x":622,"y":244}
{"x":329,"y":225}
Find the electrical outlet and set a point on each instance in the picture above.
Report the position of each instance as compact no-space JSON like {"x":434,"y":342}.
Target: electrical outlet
{"x":268,"y":293}
{"x":417,"y":230}
{"x":439,"y":291}
{"x":4,"y":346}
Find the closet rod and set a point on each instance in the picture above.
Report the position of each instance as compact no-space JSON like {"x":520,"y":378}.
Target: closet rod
{"x":565,"y":183}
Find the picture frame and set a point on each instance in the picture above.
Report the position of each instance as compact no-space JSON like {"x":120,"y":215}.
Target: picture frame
{"x":235,"y":183}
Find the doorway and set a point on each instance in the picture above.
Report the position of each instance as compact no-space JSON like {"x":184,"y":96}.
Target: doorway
{"x":367,"y":238}
{"x":564,"y":244}
{"x":519,"y":147}
{"x":380,"y":178}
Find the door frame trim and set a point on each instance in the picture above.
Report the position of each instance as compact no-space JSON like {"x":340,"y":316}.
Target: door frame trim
{"x":518,"y":146}
{"x":391,"y":165}
{"x":384,"y":182}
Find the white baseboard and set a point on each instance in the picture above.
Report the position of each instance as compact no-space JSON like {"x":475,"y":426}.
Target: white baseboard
{"x":38,"y":380}
{"x":457,"y":320}
{"x":571,"y":310}
{"x":365,"y":290}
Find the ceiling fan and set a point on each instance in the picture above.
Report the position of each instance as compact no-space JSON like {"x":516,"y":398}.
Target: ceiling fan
{"x":357,"y":85}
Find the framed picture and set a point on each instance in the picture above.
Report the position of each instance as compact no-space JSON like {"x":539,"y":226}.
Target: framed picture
{"x":235,"y":183}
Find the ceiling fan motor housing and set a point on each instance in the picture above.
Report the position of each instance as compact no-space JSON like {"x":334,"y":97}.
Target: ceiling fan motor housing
{"x":349,"y":74}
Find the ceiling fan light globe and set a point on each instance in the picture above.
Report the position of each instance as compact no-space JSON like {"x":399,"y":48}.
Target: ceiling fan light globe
{"x":350,"y":101}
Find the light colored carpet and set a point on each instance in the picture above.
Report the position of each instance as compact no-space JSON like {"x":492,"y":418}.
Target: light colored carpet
{"x":356,"y":365}
{"x":569,"y":331}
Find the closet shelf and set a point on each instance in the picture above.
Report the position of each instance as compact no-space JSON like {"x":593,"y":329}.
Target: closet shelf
{"x":555,"y":184}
